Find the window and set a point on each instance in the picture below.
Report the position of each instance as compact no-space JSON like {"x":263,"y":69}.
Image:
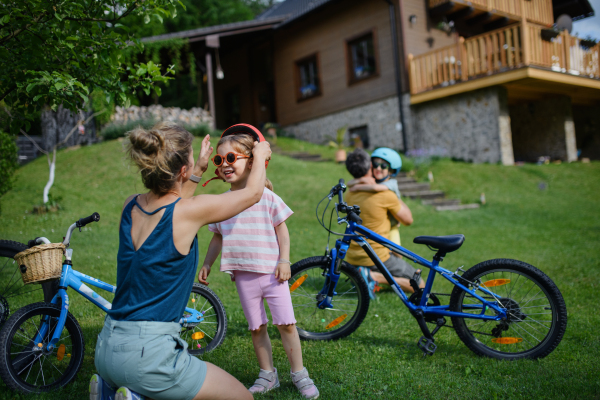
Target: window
{"x":362,"y":60}
{"x":307,"y":78}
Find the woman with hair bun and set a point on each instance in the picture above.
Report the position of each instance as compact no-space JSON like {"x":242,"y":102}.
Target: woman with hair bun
{"x":139,"y":348}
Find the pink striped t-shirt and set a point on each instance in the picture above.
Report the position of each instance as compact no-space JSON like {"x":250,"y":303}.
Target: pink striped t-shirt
{"x":249,"y":239}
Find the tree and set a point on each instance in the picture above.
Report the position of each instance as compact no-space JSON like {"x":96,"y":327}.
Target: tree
{"x":58,"y":51}
{"x":199,"y":13}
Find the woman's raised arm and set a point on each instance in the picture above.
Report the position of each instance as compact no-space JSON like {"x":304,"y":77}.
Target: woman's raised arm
{"x":206,"y":209}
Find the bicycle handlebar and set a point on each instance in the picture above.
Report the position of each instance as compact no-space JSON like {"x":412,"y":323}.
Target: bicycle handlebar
{"x":95,"y":217}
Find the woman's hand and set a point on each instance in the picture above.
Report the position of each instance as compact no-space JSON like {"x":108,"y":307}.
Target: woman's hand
{"x":282,"y":272}
{"x":262,"y":150}
{"x":204,"y":156}
{"x":203,"y":275}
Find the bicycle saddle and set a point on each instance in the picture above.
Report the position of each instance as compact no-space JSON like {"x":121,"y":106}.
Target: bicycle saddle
{"x":445,"y":244}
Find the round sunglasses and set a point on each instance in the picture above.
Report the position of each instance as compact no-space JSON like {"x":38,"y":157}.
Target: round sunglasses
{"x":383,"y":166}
{"x":230,"y":157}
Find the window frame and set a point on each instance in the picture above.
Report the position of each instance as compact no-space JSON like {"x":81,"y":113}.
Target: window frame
{"x":349,"y":67}
{"x":297,"y":79}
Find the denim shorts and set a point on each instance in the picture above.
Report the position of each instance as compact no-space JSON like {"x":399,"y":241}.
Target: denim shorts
{"x":149,"y":358}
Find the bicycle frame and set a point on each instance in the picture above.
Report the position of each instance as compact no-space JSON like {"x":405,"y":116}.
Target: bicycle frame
{"x":76,"y":280}
{"x":358,"y":233}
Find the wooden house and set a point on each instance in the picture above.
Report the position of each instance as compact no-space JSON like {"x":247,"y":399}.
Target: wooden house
{"x":479,"y":80}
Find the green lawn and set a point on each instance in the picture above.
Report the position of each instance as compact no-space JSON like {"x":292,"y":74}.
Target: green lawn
{"x":556,"y":229}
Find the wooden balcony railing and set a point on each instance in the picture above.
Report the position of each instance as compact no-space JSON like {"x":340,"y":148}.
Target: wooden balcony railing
{"x":499,"y":51}
{"x":538,"y":11}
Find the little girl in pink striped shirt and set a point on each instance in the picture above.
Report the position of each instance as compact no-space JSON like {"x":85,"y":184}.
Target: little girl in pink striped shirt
{"x":255,"y":249}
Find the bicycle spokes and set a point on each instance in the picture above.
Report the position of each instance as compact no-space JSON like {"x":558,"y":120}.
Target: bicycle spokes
{"x":36,"y":365}
{"x":528,"y":309}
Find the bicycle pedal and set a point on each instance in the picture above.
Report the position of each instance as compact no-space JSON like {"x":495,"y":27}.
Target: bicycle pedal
{"x":427,"y":346}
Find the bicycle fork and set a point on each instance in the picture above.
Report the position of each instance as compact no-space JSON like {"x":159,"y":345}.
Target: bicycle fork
{"x":326,"y":294}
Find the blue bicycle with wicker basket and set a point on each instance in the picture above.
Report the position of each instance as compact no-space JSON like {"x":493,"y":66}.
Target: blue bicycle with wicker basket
{"x":502,"y":308}
{"x":42,"y":345}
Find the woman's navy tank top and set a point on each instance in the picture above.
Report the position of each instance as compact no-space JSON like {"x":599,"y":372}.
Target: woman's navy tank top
{"x":154,"y":282}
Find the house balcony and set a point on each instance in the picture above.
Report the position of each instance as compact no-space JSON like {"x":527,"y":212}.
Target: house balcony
{"x":493,"y":12}
{"x":523,"y":57}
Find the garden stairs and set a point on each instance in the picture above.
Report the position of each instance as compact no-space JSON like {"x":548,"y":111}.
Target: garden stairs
{"x":412,"y":189}
{"x":407,"y":185}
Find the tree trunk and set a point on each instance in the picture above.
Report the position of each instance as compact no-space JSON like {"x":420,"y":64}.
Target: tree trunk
{"x":57,"y":124}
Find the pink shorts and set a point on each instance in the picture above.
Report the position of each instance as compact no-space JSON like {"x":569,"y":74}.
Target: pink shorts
{"x":253,"y":287}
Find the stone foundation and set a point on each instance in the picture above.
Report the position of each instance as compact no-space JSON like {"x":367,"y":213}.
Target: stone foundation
{"x":473,"y":126}
{"x":380,"y":117}
{"x":544,"y":129}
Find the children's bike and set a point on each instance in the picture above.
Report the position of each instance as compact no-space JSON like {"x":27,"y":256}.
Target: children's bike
{"x":505,"y":309}
{"x":42,"y":345}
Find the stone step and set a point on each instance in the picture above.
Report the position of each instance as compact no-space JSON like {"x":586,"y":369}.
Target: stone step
{"x":457,"y":207}
{"x":405,"y":179}
{"x":306,"y":156}
{"x":424,"y":194}
{"x":413,"y":187}
{"x":441,"y":202}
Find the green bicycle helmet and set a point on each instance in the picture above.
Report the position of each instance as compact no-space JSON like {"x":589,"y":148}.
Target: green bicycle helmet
{"x":391,"y":156}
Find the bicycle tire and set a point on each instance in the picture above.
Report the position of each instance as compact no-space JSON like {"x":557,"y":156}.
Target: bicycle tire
{"x":520,"y":336}
{"x":16,"y":366}
{"x":314,"y":326}
{"x":211,"y":337}
{"x":13,"y":293}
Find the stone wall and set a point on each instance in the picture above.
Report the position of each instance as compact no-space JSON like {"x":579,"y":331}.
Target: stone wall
{"x":56,"y":125}
{"x":473,"y":126}
{"x":544,"y":129}
{"x":193,"y":116}
{"x":381,"y":117}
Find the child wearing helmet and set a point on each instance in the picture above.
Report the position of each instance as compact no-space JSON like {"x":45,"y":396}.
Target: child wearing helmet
{"x":385,"y":164}
{"x":255,"y":249}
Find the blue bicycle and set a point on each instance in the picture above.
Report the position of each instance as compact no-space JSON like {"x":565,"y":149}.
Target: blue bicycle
{"x":42,"y":345}
{"x":505,"y":309}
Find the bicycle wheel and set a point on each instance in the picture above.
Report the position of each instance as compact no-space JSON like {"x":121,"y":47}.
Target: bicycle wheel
{"x":13,"y":293}
{"x":537,"y":314}
{"x":350,"y":302}
{"x":28,"y":370}
{"x":210,"y":333}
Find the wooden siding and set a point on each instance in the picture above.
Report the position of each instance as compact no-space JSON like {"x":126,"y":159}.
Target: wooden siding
{"x":326,"y":33}
{"x":538,"y":11}
{"x":416,"y":35}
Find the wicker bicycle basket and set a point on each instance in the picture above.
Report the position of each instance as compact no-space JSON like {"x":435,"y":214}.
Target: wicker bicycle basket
{"x":41,"y":263}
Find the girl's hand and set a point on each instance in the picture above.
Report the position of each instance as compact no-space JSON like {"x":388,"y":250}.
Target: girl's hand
{"x":204,"y":156}
{"x":203,"y":275}
{"x":283,"y":273}
{"x":262,"y":150}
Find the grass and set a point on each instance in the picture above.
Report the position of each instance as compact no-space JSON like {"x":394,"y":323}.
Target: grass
{"x":556,"y":229}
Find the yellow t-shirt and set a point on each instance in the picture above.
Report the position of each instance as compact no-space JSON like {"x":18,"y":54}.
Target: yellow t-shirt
{"x":374,"y":208}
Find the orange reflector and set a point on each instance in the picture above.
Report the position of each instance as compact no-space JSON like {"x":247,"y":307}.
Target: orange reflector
{"x":496,"y":282}
{"x":336,"y":321}
{"x":40,"y":345}
{"x":197,"y":335}
{"x":60,"y":353}
{"x":507,"y":340}
{"x":193,"y":300}
{"x":298,"y":282}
